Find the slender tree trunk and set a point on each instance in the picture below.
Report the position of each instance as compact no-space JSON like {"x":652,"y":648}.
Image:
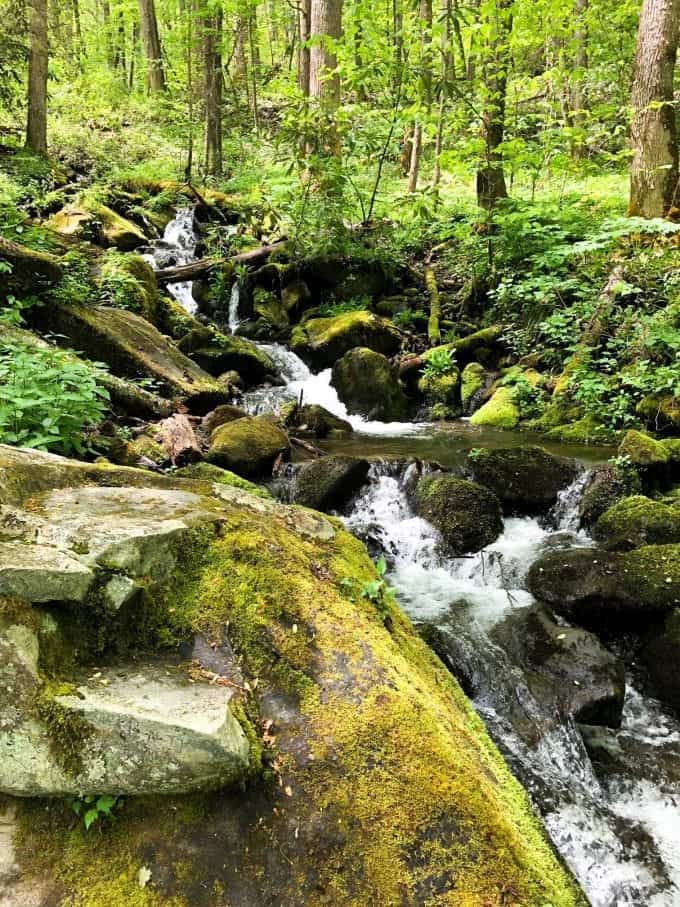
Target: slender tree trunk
{"x":212,"y":62}
{"x":304,"y":25}
{"x":425,"y":15}
{"x":490,"y":177}
{"x":398,"y":38}
{"x":654,"y":169}
{"x":152,"y":46}
{"x":78,"y":43}
{"x":324,"y":82}
{"x":36,"y":124}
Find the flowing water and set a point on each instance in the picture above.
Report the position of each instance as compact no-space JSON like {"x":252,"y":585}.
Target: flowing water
{"x":619,"y":830}
{"x":612,"y":808}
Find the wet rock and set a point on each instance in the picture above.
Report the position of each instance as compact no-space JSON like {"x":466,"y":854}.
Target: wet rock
{"x":468,"y":516}
{"x":603,"y":490}
{"x":368,"y":385}
{"x":441,"y":393}
{"x":473,"y":381}
{"x":637,"y":521}
{"x":132,"y":347}
{"x":317,"y":420}
{"x":642,"y":450}
{"x":208,"y":472}
{"x":221,"y":415}
{"x":608,"y":588}
{"x":501,"y":411}
{"x":217,"y":353}
{"x":527,"y":478}
{"x":249,"y":446}
{"x":328,"y":483}
{"x":661,"y":411}
{"x":661,"y":657}
{"x":322,"y":341}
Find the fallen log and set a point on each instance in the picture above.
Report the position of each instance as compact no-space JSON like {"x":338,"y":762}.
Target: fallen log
{"x":204,"y":266}
{"x":177,"y":438}
{"x":433,"y":328}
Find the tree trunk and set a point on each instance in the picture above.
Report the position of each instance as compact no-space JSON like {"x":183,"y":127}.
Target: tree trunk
{"x":425,"y":15}
{"x":654,"y":169}
{"x":36,"y":124}
{"x":324,"y":82}
{"x":304,"y":25}
{"x":212,"y":62}
{"x":152,"y":46}
{"x":490,"y":177}
{"x":578,"y":98}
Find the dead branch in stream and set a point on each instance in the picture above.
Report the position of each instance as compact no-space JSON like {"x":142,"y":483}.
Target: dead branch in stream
{"x":205,"y":266}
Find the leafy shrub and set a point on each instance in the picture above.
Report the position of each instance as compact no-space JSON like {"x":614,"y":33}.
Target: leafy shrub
{"x":407,"y":318}
{"x":93,"y":809}
{"x":47,"y":397}
{"x":439,"y":362}
{"x":357,"y":304}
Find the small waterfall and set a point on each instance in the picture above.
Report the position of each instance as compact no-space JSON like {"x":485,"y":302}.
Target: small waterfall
{"x":234,"y":300}
{"x":177,"y":247}
{"x":619,"y":834}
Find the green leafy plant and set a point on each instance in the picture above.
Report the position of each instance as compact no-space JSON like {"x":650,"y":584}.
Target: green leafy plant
{"x":407,"y":318}
{"x":376,"y":590}
{"x":439,"y":362}
{"x":92,"y":809}
{"x":48,"y":397}
{"x":331,"y":309}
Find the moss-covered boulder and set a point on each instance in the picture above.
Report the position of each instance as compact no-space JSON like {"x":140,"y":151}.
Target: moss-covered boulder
{"x":217,"y":353}
{"x":340,"y":709}
{"x":208,"y":472}
{"x":129,"y":399}
{"x":133,"y":348}
{"x":472,"y":383}
{"x":661,"y":656}
{"x":249,"y":447}
{"x":501,"y":411}
{"x":98,"y":224}
{"x":468,"y":516}
{"x":600,"y":587}
{"x":221,"y":415}
{"x":328,"y":483}
{"x":660,"y":412}
{"x":368,"y":384}
{"x":642,"y":450}
{"x":636,"y":521}
{"x":30,"y":270}
{"x":269,"y":308}
{"x":322,"y":341}
{"x":525,"y":478}
{"x":315,"y":420}
{"x":441,"y":393}
{"x":128,"y":282}
{"x":603,"y":489}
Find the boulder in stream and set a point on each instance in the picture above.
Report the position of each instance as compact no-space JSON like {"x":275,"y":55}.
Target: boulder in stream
{"x":468,"y":516}
{"x":599,"y":588}
{"x":217,"y":353}
{"x":368,"y":384}
{"x":328,"y":483}
{"x":322,"y":341}
{"x":366,"y":775}
{"x":527,"y":478}
{"x":315,"y":419}
{"x":661,"y":657}
{"x":248,"y":446}
{"x":500,"y":411}
{"x":636,"y":521}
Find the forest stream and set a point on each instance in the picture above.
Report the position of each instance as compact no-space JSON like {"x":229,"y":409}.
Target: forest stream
{"x":609,"y":797}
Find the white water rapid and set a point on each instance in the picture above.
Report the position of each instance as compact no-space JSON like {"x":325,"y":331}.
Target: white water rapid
{"x":178,"y":247}
{"x":619,"y":830}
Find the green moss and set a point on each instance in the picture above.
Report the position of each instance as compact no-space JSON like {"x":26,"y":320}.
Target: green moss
{"x":660,"y":411}
{"x":128,"y":282}
{"x":67,"y":732}
{"x":672,"y":446}
{"x":472,"y":380}
{"x":207,"y":472}
{"x":501,"y":411}
{"x":583,"y":430}
{"x":638,"y":521}
{"x":321,"y":341}
{"x":442,"y":391}
{"x":643,"y":450}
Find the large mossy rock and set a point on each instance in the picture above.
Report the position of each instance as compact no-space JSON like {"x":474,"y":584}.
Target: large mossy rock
{"x":385,"y":789}
{"x":217,"y":353}
{"x":442,"y":394}
{"x":98,"y":224}
{"x":661,"y":657}
{"x":500,"y":411}
{"x":328,"y":483}
{"x":600,"y":588}
{"x":129,"y":282}
{"x":30,"y":270}
{"x":249,"y":446}
{"x":368,"y":384}
{"x":468,"y":516}
{"x":527,"y":478}
{"x":603,"y":489}
{"x":472,"y":383}
{"x":322,"y":341}
{"x":133,"y":348}
{"x":642,"y":450}
{"x":637,"y":521}
{"x":660,"y":412}
{"x":315,"y":419}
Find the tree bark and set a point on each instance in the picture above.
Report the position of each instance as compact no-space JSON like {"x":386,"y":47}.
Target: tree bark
{"x":324,"y":82}
{"x":304,"y":25}
{"x":36,"y":123}
{"x":155,"y":78}
{"x":490,"y":177}
{"x":425,"y":15}
{"x":578,"y":98}
{"x":654,"y":168}
{"x":212,"y":62}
